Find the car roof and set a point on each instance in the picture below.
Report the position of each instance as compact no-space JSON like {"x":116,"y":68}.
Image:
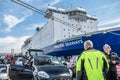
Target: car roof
{"x":20,"y":56}
{"x":48,"y":56}
{"x":35,"y":50}
{"x":2,"y":59}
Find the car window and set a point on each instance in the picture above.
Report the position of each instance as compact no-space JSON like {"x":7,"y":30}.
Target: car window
{"x":36,"y":53}
{"x":19,"y":60}
{"x":55,"y":61}
{"x":46,"y":61}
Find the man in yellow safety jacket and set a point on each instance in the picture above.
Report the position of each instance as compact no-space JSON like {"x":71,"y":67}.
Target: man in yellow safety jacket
{"x":92,"y":64}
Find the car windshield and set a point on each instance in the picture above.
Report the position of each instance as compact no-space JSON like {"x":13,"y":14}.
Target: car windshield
{"x":46,"y":61}
{"x":20,"y":59}
{"x":36,"y":53}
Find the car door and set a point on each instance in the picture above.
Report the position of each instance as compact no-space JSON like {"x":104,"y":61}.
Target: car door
{"x":19,"y":71}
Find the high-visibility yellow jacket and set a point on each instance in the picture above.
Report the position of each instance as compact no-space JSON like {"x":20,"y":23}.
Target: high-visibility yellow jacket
{"x":91,"y":65}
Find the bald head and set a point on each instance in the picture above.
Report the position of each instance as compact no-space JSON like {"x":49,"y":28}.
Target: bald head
{"x":88,"y":44}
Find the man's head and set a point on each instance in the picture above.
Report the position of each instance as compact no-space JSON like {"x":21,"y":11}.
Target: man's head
{"x":88,"y":44}
{"x":107,"y":48}
{"x":26,"y":53}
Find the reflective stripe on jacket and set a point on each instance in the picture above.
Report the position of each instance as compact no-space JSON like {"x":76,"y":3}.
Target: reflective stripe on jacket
{"x":91,"y":65}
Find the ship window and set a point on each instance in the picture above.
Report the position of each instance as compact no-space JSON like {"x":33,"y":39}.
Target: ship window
{"x":77,"y":12}
{"x":91,"y":22}
{"x":78,"y":20}
{"x":52,"y":18}
{"x":64,"y":29}
{"x":64,"y":36}
{"x":73,"y":35}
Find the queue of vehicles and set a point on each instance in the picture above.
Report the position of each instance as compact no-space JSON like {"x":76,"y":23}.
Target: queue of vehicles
{"x":37,"y":67}
{"x":40,"y":67}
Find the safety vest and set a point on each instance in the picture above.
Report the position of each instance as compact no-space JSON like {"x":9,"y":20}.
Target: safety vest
{"x":93,"y":62}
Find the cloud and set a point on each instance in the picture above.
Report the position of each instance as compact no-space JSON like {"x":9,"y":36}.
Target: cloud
{"x":12,"y":21}
{"x":9,"y":42}
{"x":28,"y":0}
{"x":109,"y":6}
{"x":53,"y":2}
{"x":43,"y":3}
{"x":109,"y":22}
{"x":116,"y":26}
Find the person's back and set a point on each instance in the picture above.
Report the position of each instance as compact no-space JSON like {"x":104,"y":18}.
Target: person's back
{"x":93,"y":62}
{"x":91,"y":65}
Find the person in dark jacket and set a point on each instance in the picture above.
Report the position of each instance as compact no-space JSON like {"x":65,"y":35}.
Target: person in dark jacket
{"x":25,"y":61}
{"x":113,"y":60}
{"x":27,"y":54}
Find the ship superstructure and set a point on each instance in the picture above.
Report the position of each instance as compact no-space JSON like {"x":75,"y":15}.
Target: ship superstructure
{"x":62,"y":24}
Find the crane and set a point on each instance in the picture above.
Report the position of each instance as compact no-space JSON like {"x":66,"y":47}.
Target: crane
{"x":43,"y":13}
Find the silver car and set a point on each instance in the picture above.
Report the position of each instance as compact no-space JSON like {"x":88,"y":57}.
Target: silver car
{"x":3,"y":71}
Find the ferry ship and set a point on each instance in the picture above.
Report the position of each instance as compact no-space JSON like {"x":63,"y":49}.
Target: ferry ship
{"x":66,"y":30}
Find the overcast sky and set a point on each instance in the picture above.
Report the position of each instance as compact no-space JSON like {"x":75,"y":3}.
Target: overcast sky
{"x":18,"y":23}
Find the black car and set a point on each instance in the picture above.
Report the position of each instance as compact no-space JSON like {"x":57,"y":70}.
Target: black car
{"x":41,"y":67}
{"x":18,"y":70}
{"x":49,"y":68}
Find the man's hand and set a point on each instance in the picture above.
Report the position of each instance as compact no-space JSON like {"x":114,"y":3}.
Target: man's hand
{"x":114,"y":62}
{"x":108,"y":60}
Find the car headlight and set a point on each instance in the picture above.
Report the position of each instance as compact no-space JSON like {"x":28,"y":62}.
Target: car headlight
{"x":43,"y":74}
{"x":71,"y":73}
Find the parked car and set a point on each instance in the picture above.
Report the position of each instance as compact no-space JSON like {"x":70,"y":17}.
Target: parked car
{"x":18,"y":70}
{"x":49,"y":68}
{"x":3,"y":71}
{"x":40,"y":67}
